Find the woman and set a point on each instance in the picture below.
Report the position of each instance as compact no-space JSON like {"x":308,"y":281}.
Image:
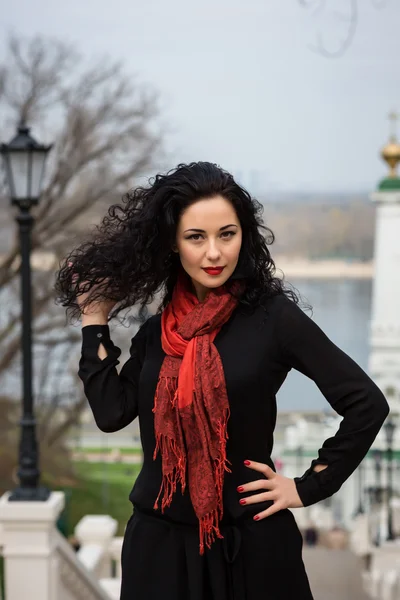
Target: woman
{"x":211,"y":516}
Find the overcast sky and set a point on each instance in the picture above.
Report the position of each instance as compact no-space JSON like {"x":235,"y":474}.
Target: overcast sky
{"x":240,"y":85}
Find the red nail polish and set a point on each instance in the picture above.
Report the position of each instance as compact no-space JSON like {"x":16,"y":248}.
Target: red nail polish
{"x":247,"y":463}
{"x":240,"y":488}
{"x":242,"y":501}
{"x":256,"y":518}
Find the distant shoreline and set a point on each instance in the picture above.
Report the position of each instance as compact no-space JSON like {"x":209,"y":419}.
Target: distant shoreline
{"x":303,"y":268}
{"x":292,"y":267}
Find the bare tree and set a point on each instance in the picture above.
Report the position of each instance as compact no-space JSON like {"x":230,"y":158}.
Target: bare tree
{"x":106,"y":134}
{"x":348,"y":20}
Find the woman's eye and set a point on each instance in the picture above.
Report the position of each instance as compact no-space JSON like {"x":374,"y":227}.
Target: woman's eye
{"x":224,"y":234}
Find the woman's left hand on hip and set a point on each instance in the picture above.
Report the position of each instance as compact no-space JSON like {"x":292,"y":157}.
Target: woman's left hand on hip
{"x":280,"y":490}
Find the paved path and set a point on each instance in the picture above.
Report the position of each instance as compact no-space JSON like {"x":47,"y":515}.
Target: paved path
{"x":334,"y":574}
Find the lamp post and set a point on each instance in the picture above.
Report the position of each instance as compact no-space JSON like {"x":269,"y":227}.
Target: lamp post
{"x":377,"y":456}
{"x":377,"y":496}
{"x":24,"y":160}
{"x":360,"y":509}
{"x":389,"y":428}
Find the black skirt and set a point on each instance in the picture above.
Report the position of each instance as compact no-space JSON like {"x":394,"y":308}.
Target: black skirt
{"x":254,"y":561}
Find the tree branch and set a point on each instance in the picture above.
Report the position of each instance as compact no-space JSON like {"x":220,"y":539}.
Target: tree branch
{"x":71,"y":419}
{"x":104,"y":126}
{"x":351,"y":21}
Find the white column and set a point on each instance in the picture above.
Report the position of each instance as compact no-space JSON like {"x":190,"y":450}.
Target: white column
{"x":28,"y":539}
{"x":385,"y":323}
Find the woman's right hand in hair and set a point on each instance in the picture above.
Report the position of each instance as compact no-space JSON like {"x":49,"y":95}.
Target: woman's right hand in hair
{"x":96,"y":312}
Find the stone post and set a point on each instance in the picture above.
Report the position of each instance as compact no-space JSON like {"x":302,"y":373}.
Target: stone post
{"x":29,"y":541}
{"x":95,"y":534}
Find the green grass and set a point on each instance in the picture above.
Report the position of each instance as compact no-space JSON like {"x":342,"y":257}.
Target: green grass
{"x":99,"y":450}
{"x":102,"y":489}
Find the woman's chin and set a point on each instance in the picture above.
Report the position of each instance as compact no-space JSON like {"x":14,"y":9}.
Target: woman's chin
{"x":215,"y":282}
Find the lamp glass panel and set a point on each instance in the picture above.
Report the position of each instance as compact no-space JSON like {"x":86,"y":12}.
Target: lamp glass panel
{"x":19,"y":172}
{"x":37,"y":171}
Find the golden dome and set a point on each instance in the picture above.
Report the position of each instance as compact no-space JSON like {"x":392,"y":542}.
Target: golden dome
{"x":391,"y":152}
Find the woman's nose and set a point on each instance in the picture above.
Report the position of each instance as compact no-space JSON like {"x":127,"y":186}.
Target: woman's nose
{"x":213,"y":252}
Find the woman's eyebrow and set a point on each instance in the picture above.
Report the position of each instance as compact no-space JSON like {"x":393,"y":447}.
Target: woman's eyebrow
{"x":202,"y":230}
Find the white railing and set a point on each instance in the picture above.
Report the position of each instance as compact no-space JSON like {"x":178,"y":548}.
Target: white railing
{"x":100,"y":551}
{"x":383,"y":585}
{"x":382,"y":579}
{"x":75,"y":582}
{"x":113,"y":584}
{"x":40,"y":564}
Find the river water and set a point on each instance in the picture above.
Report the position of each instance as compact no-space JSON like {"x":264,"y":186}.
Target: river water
{"x":342,"y":308}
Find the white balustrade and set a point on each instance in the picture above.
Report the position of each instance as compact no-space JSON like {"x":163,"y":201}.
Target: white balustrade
{"x":95,"y":534}
{"x":40,"y":564}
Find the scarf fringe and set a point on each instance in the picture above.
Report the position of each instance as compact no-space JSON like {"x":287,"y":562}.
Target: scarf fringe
{"x":209,"y":529}
{"x":170,"y":480}
{"x":168,"y":447}
{"x":220,"y":463}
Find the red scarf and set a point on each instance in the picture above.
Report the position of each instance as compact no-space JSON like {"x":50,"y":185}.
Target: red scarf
{"x":191,"y":408}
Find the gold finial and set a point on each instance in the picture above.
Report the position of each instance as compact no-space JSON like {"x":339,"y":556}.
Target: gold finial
{"x":391,"y":152}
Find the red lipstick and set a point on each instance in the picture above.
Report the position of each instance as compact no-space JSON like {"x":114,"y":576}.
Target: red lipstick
{"x":213,"y":270}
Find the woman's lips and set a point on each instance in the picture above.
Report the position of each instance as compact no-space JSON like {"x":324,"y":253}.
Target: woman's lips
{"x":214,"y":270}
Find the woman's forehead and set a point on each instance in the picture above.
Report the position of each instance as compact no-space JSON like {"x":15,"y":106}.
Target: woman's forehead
{"x":209,"y":213}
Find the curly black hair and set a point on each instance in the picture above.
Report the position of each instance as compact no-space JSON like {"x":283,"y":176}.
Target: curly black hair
{"x":129,"y":256}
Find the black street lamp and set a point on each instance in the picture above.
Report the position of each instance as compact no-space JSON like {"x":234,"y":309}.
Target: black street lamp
{"x":377,"y":491}
{"x":377,"y":456}
{"x":360,"y":471}
{"x":389,"y":428}
{"x":24,"y":160}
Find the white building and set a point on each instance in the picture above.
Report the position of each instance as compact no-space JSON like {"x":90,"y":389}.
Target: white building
{"x":384,"y":362}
